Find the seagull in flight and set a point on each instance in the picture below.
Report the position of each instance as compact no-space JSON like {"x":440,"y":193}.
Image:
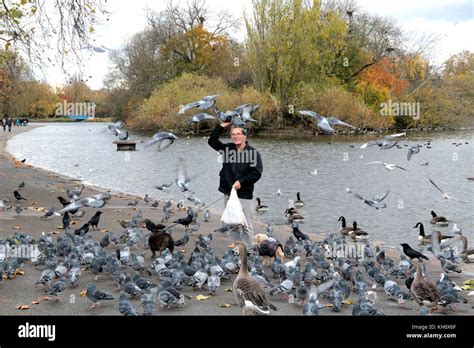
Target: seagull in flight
{"x":183,"y":178}
{"x":445,"y":195}
{"x":384,"y":143}
{"x":413,"y":150}
{"x":375,"y":202}
{"x":388,"y":166}
{"x":325,"y":123}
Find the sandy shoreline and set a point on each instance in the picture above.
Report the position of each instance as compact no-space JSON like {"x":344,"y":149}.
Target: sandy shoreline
{"x":42,"y":187}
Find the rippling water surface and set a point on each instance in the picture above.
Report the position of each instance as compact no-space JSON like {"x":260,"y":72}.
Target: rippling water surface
{"x":86,"y":151}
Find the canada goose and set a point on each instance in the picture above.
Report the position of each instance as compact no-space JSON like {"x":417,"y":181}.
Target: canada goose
{"x":344,"y":230}
{"x":357,"y":233}
{"x":426,"y":239}
{"x":248,"y":292}
{"x":424,"y":292}
{"x":260,"y":208}
{"x":438,"y":220}
{"x":298,"y":202}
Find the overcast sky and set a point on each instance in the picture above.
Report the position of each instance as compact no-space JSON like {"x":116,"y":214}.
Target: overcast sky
{"x":451,"y":20}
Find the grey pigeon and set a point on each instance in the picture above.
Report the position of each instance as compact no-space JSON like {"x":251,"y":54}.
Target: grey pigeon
{"x":164,"y":140}
{"x":125,"y":307}
{"x":96,"y":295}
{"x":148,"y":302}
{"x":204,"y":103}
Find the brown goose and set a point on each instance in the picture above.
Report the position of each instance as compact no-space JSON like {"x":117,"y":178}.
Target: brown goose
{"x":248,"y":292}
{"x":424,"y":292}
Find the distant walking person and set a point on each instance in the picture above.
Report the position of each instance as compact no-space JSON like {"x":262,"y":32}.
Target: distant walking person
{"x":4,"y":123}
{"x":241,"y":168}
{"x":9,"y":124}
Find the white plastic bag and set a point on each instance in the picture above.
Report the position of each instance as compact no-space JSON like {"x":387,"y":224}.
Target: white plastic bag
{"x":233,"y":214}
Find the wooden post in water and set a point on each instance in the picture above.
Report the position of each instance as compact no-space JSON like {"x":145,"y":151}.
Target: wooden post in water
{"x":125,"y":145}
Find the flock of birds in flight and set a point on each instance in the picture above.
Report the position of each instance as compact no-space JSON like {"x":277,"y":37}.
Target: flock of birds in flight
{"x":325,"y":275}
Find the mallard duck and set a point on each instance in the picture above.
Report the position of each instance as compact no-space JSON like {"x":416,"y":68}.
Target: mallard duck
{"x":438,"y":220}
{"x":424,"y":292}
{"x":344,"y":230}
{"x":293,"y":215}
{"x":260,"y":208}
{"x":248,"y":291}
{"x":298,"y":202}
{"x":426,"y":239}
{"x":357,"y":233}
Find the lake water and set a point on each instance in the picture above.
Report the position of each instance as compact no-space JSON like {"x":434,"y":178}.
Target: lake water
{"x":86,"y":151}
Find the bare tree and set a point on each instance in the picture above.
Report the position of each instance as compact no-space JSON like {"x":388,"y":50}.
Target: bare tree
{"x":32,"y":27}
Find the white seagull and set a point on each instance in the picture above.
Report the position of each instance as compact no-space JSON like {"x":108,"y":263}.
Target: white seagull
{"x":325,"y":123}
{"x":388,"y":166}
{"x":445,"y":195}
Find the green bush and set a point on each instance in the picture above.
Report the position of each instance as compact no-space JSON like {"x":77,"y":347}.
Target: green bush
{"x":159,"y":112}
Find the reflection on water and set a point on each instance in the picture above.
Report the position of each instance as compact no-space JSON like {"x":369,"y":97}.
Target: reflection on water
{"x":86,"y":151}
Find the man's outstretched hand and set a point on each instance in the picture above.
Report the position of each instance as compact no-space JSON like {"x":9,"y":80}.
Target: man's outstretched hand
{"x":225,"y":124}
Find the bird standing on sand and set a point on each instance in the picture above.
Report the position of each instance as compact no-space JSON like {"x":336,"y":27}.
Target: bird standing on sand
{"x":185,"y":221}
{"x":66,"y":221}
{"x":299,"y":235}
{"x":412,"y":253}
{"x":94,"y":221}
{"x":248,"y":292}
{"x":83,"y":230}
{"x":18,"y":196}
{"x":96,"y":295}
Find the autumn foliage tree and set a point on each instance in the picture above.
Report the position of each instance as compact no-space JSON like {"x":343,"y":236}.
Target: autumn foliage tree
{"x":290,"y":42}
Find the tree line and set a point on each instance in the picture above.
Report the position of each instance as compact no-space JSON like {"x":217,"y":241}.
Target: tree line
{"x":326,"y":56}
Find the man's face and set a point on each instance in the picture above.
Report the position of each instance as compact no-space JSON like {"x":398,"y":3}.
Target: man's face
{"x":238,"y":136}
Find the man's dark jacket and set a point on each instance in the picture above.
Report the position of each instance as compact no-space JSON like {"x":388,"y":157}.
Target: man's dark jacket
{"x":246,"y":173}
